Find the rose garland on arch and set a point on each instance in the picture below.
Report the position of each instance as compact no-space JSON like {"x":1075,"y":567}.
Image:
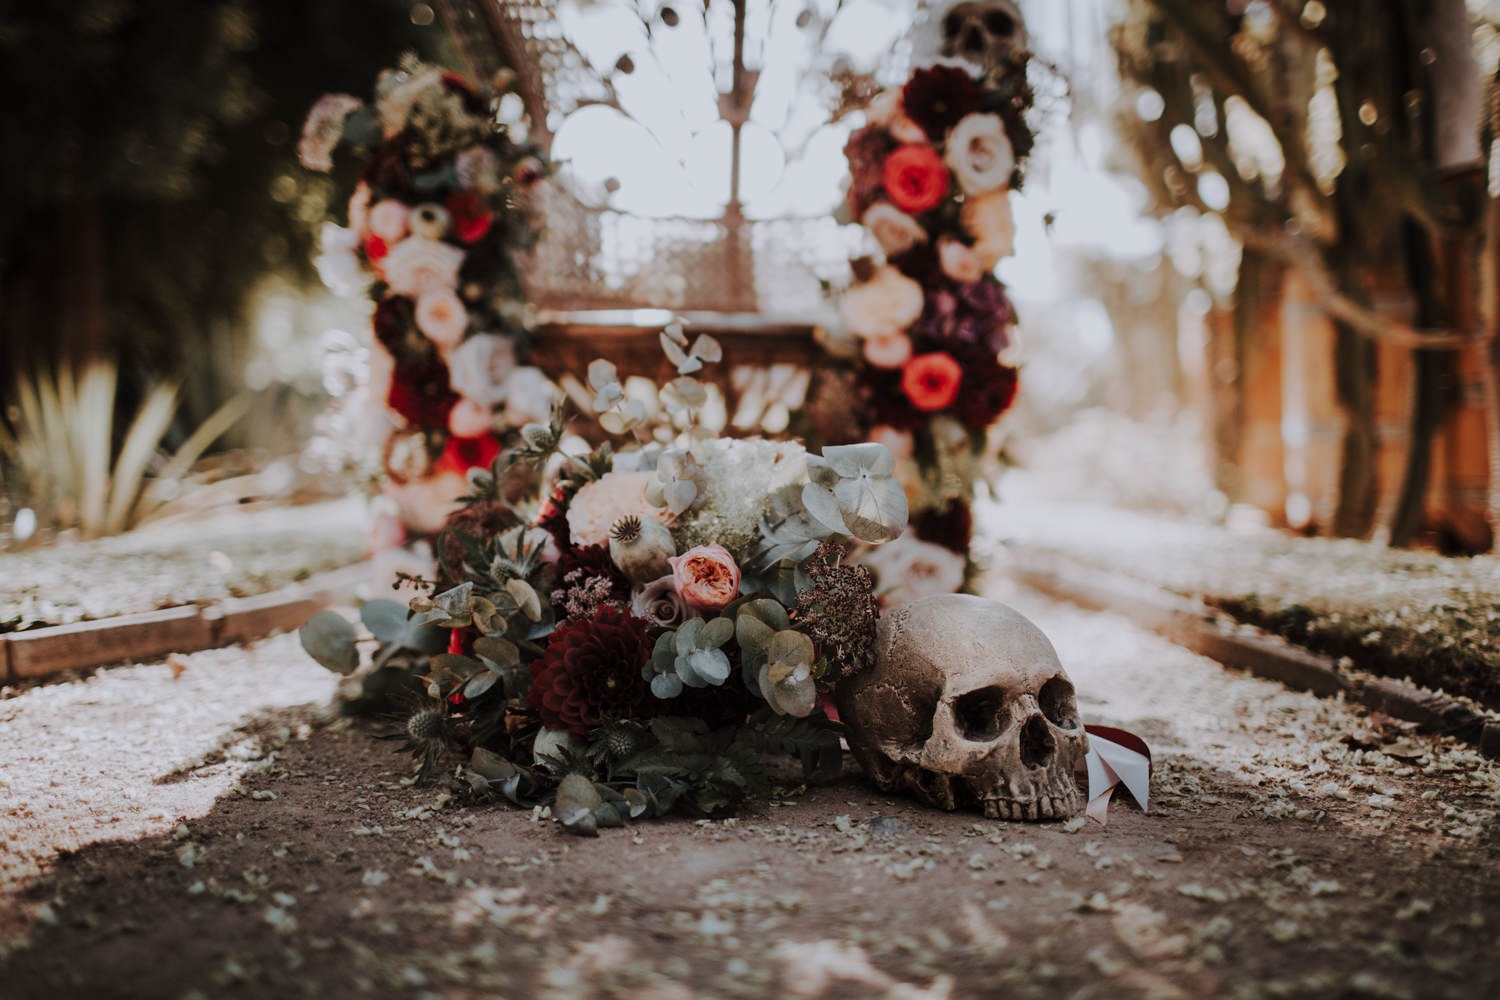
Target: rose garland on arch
{"x":433,"y":229}
{"x":651,"y":618}
{"x":930,"y":176}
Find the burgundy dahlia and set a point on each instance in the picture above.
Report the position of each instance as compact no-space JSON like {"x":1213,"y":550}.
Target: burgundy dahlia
{"x":420,"y":392}
{"x":951,"y":526}
{"x":937,"y":97}
{"x":591,"y":672}
{"x":989,"y":388}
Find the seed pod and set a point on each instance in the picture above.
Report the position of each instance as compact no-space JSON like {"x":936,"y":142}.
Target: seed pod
{"x":640,"y":547}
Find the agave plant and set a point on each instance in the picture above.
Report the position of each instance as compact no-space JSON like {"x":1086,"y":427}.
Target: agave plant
{"x":63,"y":461}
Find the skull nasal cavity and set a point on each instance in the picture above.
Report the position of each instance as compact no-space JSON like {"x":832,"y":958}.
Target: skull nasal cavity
{"x":980,"y":715}
{"x":1036,"y":742}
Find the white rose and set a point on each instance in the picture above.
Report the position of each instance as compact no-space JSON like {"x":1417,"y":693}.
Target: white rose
{"x":885,"y":305}
{"x":980,"y":154}
{"x":338,"y":265}
{"x":893,"y":229}
{"x":528,"y":397}
{"x":988,"y":220}
{"x":478,"y":368}
{"x":909,"y":569}
{"x":417,"y":265}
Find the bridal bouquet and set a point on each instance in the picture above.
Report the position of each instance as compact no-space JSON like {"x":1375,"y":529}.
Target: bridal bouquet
{"x":930,"y":176}
{"x":628,"y":630}
{"x":434,"y":225}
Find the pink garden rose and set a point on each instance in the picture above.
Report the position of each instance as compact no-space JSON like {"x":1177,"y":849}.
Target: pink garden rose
{"x":441,"y":315}
{"x":706,"y":577}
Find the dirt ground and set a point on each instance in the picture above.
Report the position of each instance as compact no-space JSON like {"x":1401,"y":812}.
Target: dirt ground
{"x":212,"y":830}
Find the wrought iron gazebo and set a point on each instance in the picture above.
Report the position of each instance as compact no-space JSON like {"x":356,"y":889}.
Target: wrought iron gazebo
{"x":763,"y":80}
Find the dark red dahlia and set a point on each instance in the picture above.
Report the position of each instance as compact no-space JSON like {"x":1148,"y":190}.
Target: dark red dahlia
{"x":937,"y":97}
{"x":591,"y":672}
{"x":952,"y":526}
{"x":989,"y":388}
{"x":420,"y":392}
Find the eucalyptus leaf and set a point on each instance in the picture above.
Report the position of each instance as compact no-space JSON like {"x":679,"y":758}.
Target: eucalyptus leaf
{"x":490,"y":764}
{"x":718,"y":632}
{"x":498,"y":654}
{"x":689,"y":390}
{"x":875,"y":509}
{"x":666,"y":685}
{"x":525,"y":597}
{"x":752,"y":634}
{"x":385,"y":619}
{"x":707,"y":348}
{"x":680,"y":495}
{"x":602,"y":373}
{"x":850,"y":460}
{"x":824,"y":506}
{"x":616,"y":422}
{"x":576,"y":799}
{"x":480,"y":684}
{"x":329,"y":638}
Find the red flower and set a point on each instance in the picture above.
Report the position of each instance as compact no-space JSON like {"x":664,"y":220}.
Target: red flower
{"x":376,"y":249}
{"x":461,"y":641}
{"x":554,"y":517}
{"x":470,"y":220}
{"x":915,"y":178}
{"x":463,"y":454}
{"x":937,"y":97}
{"x":931,"y":380}
{"x":591,"y":672}
{"x":420,"y":392}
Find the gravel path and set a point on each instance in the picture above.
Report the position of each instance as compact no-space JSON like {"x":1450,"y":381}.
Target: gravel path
{"x":195,"y":836}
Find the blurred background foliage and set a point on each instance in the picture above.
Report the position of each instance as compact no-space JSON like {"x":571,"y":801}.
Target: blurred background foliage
{"x":150,"y":194}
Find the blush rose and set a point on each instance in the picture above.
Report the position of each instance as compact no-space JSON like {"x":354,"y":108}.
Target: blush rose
{"x":706,"y":577}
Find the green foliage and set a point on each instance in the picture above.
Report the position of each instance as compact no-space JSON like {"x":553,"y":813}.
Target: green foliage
{"x":329,"y":638}
{"x":65,"y":460}
{"x":691,"y":656}
{"x":159,"y":189}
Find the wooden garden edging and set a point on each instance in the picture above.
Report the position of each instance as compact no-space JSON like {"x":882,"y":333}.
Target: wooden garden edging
{"x":1195,"y":626}
{"x":150,"y":635}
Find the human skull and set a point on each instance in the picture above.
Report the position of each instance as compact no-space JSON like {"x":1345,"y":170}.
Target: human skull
{"x":967,"y":706}
{"x":988,"y":32}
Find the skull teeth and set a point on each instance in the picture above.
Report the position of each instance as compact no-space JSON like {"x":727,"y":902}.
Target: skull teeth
{"x":1043,"y":807}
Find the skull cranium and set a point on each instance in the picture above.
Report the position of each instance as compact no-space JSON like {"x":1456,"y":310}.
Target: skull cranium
{"x":967,"y":705}
{"x":987,"y":32}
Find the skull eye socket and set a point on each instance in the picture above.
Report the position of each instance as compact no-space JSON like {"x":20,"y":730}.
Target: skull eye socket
{"x":980,"y":715}
{"x":998,"y":22}
{"x":1058,"y":704}
{"x":952,"y":24}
